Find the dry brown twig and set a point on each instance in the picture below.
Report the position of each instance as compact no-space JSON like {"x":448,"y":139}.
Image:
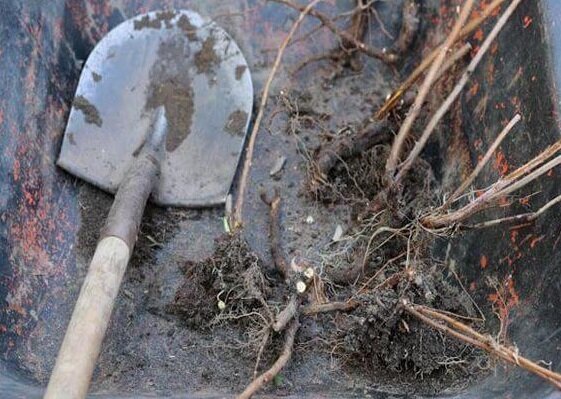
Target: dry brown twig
{"x":464,"y":333}
{"x":395,"y":153}
{"x":443,"y":109}
{"x":518,"y":179}
{"x":481,"y":164}
{"x":274,"y":233}
{"x":287,"y":314}
{"x":236,"y":221}
{"x":394,"y":98}
{"x":316,"y":308}
{"x":282,"y":360}
{"x":352,"y":43}
{"x":528,"y":217}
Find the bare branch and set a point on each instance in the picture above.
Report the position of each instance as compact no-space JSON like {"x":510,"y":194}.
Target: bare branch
{"x":456,"y":91}
{"x":462,"y":332}
{"x":393,"y":159}
{"x":483,"y":161}
{"x":344,"y":35}
{"x":316,"y":308}
{"x":393,"y":100}
{"x":522,"y":218}
{"x":283,"y":359}
{"x":238,"y":211}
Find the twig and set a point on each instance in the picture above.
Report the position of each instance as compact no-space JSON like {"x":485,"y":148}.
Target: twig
{"x":456,"y":91}
{"x":528,"y":217}
{"x":395,"y":153}
{"x":316,"y":308}
{"x":535,"y":162}
{"x":466,"y":334}
{"x":344,"y":35}
{"x":459,"y":191}
{"x":283,"y":359}
{"x":455,"y":57}
{"x":262,"y":347}
{"x":274,"y":233}
{"x":514,"y":181}
{"x":287,"y":314}
{"x":393,"y":100}
{"x":238,"y":211}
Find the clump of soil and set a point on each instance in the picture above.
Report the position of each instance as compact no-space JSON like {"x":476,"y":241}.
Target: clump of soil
{"x":240,"y":70}
{"x":177,"y":100}
{"x":156,"y":23}
{"x":206,"y":58}
{"x":381,"y":339}
{"x":229,"y":285}
{"x":91,"y":113}
{"x":171,"y":87}
{"x":186,"y":26}
{"x":235,"y":125}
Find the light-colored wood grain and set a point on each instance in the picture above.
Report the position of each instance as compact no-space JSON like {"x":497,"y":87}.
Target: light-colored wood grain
{"x":76,"y":359}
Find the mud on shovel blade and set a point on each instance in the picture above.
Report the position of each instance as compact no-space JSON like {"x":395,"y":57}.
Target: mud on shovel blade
{"x":161,"y":110}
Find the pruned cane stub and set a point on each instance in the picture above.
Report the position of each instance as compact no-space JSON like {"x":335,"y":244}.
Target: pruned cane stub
{"x":188,"y":65}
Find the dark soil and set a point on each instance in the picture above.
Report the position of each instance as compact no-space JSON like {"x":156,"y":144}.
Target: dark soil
{"x":236,"y":123}
{"x":206,"y":58}
{"x":156,"y":23}
{"x":190,"y":30}
{"x":171,"y":87}
{"x":91,"y":113}
{"x":240,"y":70}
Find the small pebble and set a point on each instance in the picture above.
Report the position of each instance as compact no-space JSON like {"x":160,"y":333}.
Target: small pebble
{"x":338,"y":233}
{"x":278,"y":166}
{"x":310,"y":219}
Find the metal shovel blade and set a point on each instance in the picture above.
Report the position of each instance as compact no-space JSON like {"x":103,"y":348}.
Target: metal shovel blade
{"x":197,"y":72}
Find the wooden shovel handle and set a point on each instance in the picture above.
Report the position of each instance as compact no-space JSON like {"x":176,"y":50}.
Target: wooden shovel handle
{"x":80,"y":348}
{"x":77,"y":356}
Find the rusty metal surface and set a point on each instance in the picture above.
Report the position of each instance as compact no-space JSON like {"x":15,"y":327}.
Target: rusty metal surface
{"x":514,"y":272}
{"x":134,"y":67}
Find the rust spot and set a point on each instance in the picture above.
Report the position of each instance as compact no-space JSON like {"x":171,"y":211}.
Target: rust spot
{"x":478,"y":35}
{"x":525,"y":200}
{"x":513,"y":236}
{"x":483,"y":262}
{"x":501,"y":164}
{"x":535,"y":240}
{"x":474,"y":89}
{"x":504,"y":299}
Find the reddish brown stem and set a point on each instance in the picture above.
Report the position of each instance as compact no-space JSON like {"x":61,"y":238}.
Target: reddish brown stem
{"x":464,"y":333}
{"x":397,"y":147}
{"x":283,"y":359}
{"x":347,"y":37}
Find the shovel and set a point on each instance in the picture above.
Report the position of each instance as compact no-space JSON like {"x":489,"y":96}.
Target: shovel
{"x":161,"y":109}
